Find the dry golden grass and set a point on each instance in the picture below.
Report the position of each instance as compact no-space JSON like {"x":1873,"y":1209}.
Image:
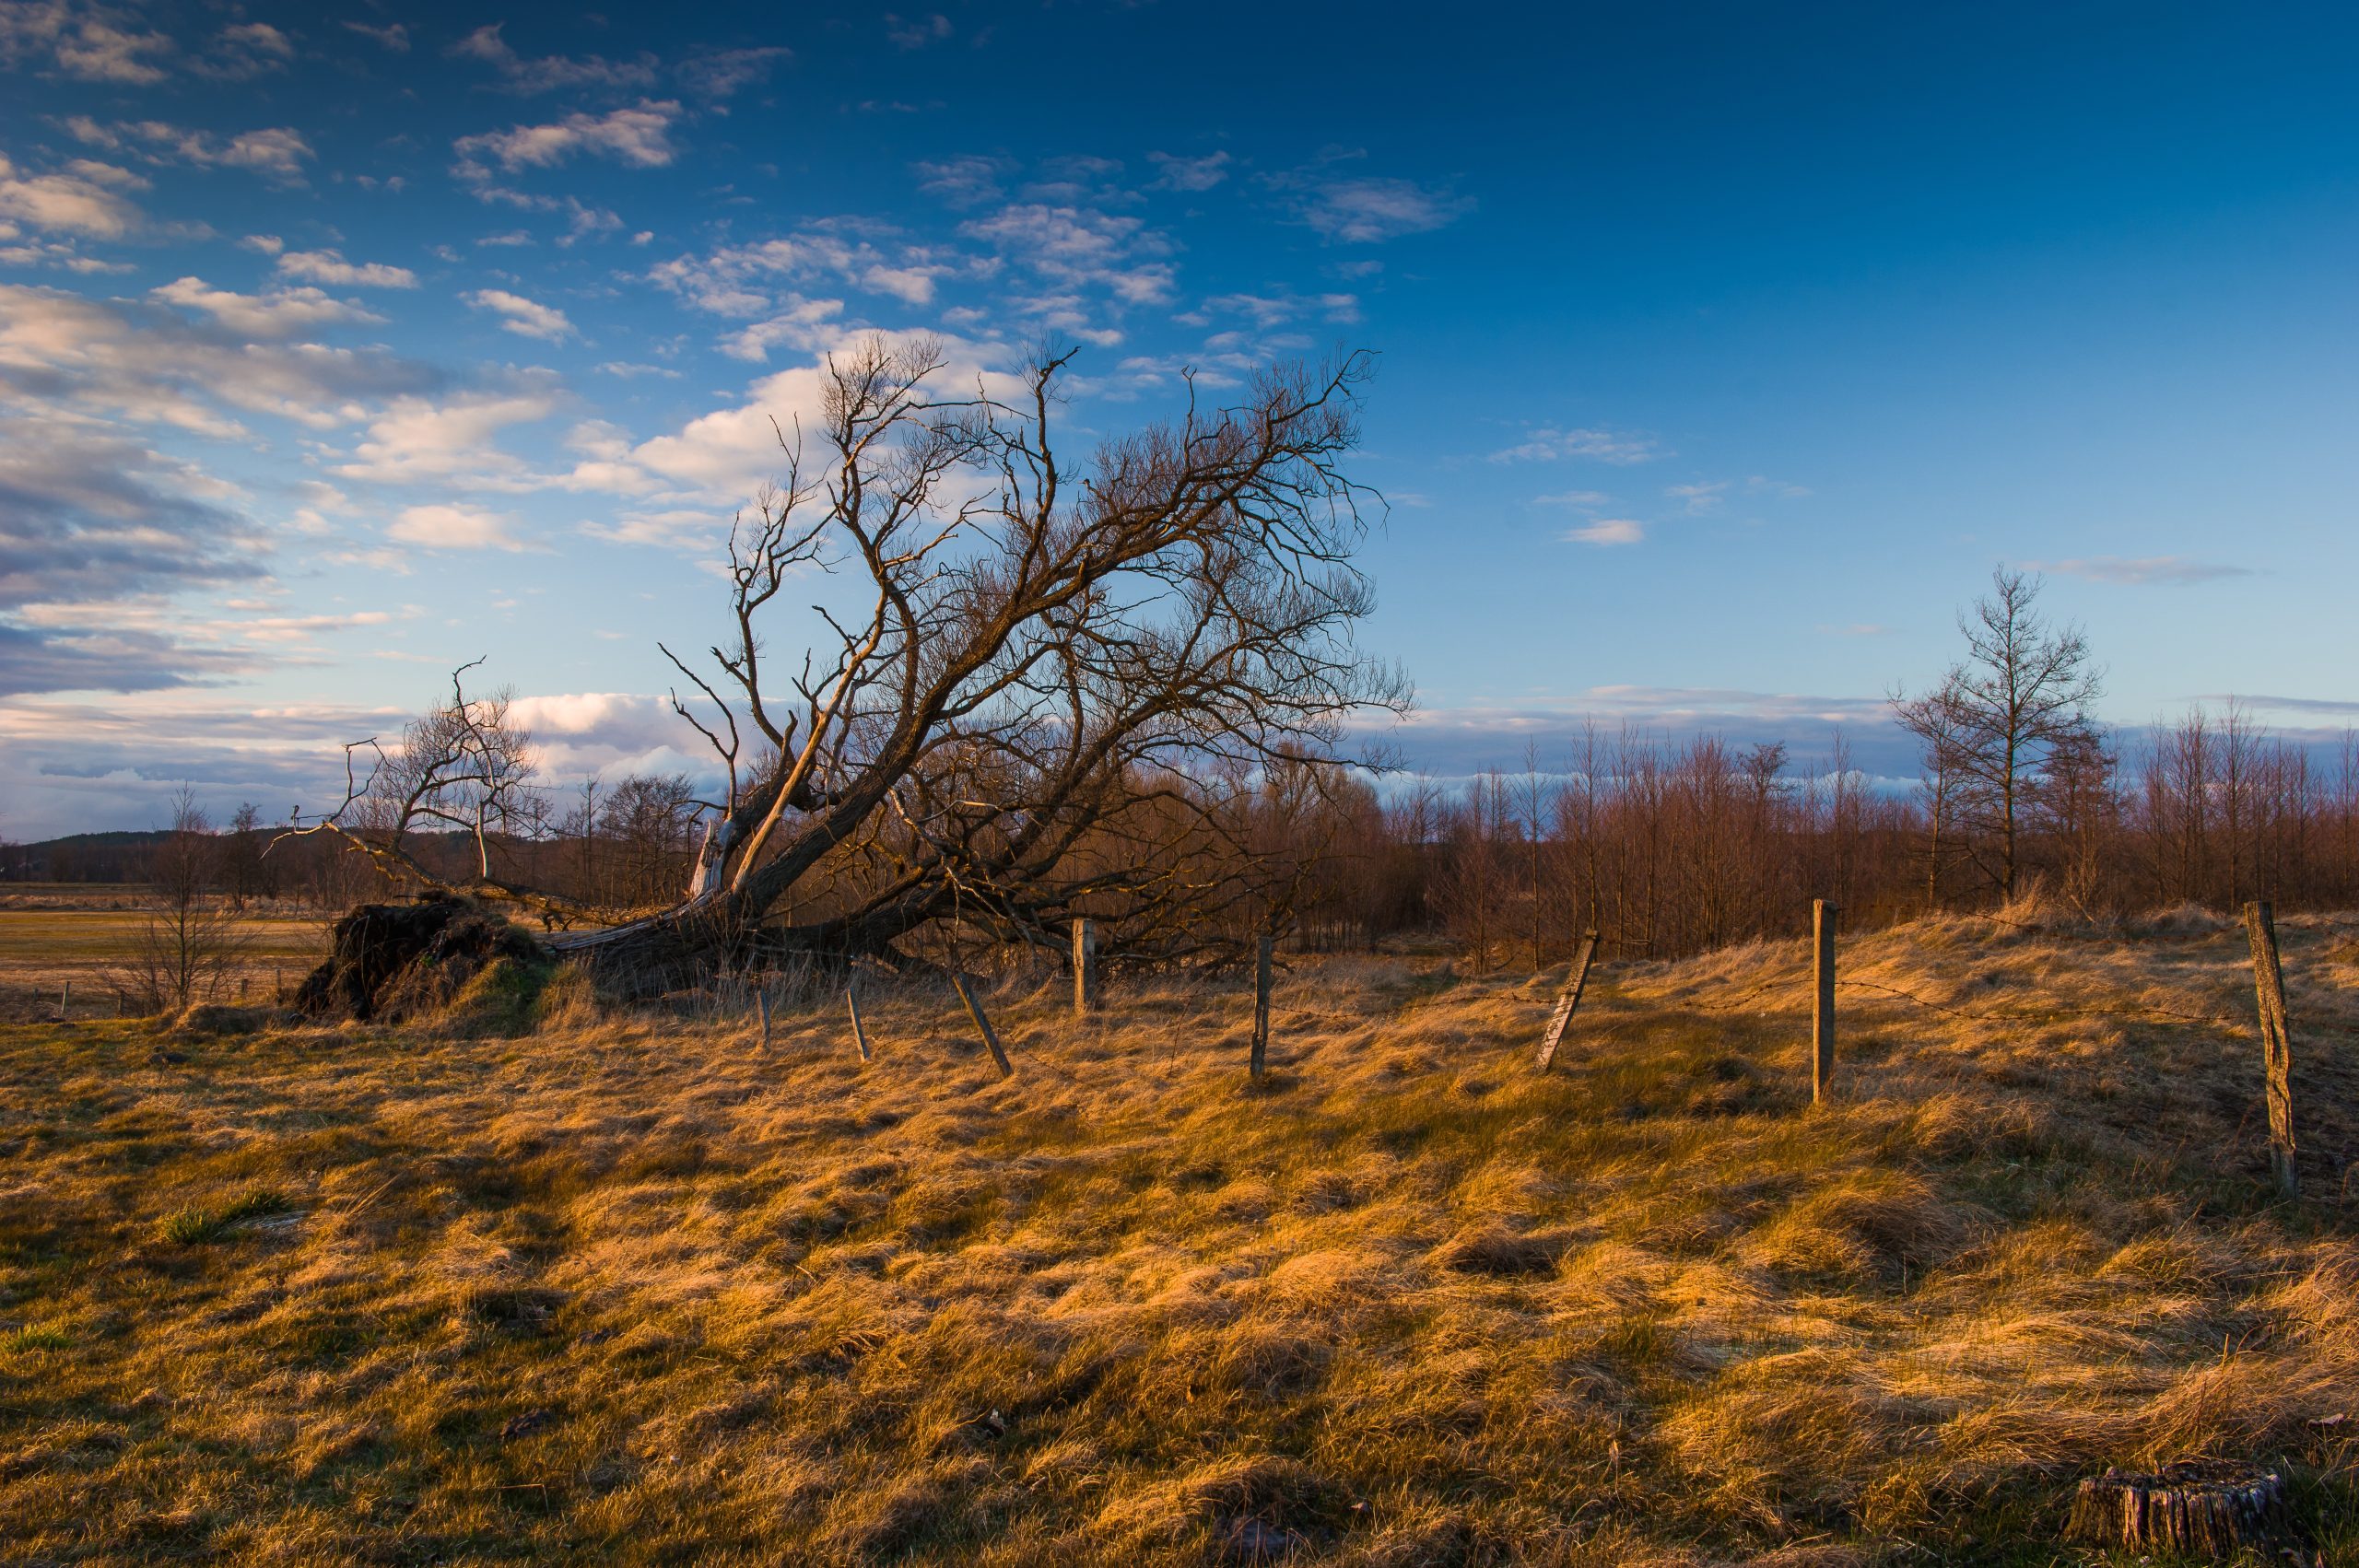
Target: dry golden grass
{"x":82,"y":938}
{"x":628,"y":1288}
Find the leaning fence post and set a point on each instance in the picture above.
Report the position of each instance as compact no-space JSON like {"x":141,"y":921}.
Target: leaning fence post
{"x":1084,"y":966}
{"x":64,"y":994}
{"x":1822,"y":1020}
{"x":1574,"y":983}
{"x":1261,"y":1003}
{"x":852,"y":1002}
{"x":2277,"y":1046}
{"x":975,"y":1011}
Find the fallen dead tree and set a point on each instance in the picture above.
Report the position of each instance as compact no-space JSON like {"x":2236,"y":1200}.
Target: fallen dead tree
{"x":1105,"y":688}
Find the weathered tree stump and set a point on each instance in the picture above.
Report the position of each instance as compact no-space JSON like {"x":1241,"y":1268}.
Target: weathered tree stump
{"x":2198,"y":1509}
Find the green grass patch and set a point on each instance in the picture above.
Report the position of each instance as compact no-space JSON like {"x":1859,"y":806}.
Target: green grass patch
{"x":34,"y":1338}
{"x":195,"y":1226}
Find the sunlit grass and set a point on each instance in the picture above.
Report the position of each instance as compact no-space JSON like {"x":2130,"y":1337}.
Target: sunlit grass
{"x":538,"y":1284}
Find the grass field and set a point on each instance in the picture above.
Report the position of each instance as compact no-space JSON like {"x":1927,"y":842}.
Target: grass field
{"x":538,"y":1284}
{"x":77,"y":937}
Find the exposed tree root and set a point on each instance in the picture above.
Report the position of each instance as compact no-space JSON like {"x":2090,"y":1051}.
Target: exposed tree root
{"x":391,"y":961}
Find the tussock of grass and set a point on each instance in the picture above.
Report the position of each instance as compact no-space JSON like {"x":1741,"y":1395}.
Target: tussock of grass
{"x":528,"y":1282}
{"x":32,"y":1338}
{"x":193,"y":1226}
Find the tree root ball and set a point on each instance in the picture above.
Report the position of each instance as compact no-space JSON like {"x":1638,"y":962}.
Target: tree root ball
{"x":2197,"y":1509}
{"x":397,"y":960}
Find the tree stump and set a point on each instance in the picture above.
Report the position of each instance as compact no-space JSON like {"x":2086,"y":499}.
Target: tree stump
{"x":2198,"y":1509}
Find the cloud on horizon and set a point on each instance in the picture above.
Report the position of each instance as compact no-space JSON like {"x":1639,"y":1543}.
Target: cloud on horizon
{"x":2142,"y":571}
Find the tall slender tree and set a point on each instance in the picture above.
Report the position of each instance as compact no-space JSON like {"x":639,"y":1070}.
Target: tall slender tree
{"x":1994,"y":721}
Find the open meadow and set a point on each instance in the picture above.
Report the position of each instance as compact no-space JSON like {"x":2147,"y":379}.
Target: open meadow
{"x":533,"y":1282}
{"x":80,"y":942}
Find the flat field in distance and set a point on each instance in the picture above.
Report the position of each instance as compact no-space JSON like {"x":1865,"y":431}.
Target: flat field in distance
{"x":81,"y":934}
{"x":537,"y":1284}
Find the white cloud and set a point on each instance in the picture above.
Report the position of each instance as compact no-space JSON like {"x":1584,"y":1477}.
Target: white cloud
{"x":963,"y":182}
{"x":553,"y":72}
{"x":87,"y":514}
{"x":145,"y":363}
{"x":1367,"y":211}
{"x":97,"y":530}
{"x":1548,"y":444}
{"x":807,"y":324}
{"x":89,"y":42}
{"x":295,"y":630}
{"x":453,"y":528}
{"x":1607,"y":531}
{"x":1189,"y":173}
{"x":329,"y":266}
{"x":276,"y":154}
{"x":1267,"y":311}
{"x":727,"y":282}
{"x":1572,"y":498}
{"x":1448,"y":739}
{"x":638,"y":138}
{"x":417,"y":438}
{"x":53,"y":253}
{"x":672,"y":529}
{"x":524,"y":317}
{"x":245,"y":50}
{"x":916,"y":32}
{"x":69,"y":204}
{"x":731,"y":452}
{"x":2143,"y":571}
{"x":1079,"y":247}
{"x":284,"y":312}
{"x":395,"y":36}
{"x":1699,"y":498}
{"x":722,"y":72}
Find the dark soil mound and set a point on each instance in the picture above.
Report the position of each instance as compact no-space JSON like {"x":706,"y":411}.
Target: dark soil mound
{"x":394,"y":961}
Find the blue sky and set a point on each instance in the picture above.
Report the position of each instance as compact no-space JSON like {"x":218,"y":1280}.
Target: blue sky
{"x":1723,"y":350}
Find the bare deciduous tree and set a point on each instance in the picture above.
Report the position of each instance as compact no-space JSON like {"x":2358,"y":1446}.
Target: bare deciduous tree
{"x":463,"y":764}
{"x":1050,"y":692}
{"x":189,"y":943}
{"x":1991,"y":724}
{"x":1049,"y":663}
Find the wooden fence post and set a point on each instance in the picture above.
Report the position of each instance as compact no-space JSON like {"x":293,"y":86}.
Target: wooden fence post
{"x":1261,"y":1003}
{"x":64,"y":995}
{"x":1085,"y":967}
{"x":1822,"y":1020}
{"x":852,"y":1002}
{"x":975,"y":1011}
{"x":762,"y":995}
{"x":1574,"y":983}
{"x":2277,"y":1045}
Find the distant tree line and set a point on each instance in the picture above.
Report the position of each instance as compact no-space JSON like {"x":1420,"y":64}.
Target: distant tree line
{"x":1672,"y":846}
{"x":1664,"y":846}
{"x":616,"y":846}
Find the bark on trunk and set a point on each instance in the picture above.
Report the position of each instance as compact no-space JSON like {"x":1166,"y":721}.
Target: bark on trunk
{"x":657,"y":953}
{"x":2199,"y":1510}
